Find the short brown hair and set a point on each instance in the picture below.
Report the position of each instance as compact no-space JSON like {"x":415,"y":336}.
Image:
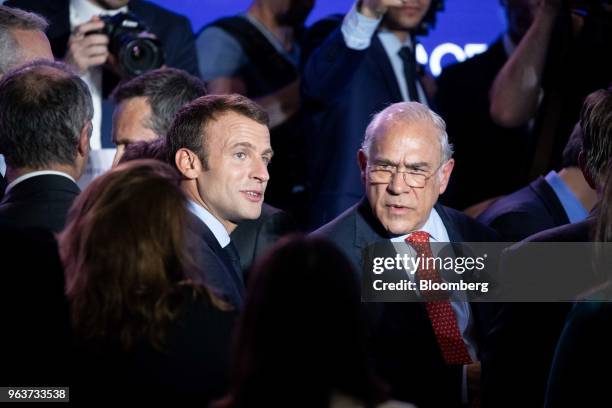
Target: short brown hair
{"x":190,"y":127}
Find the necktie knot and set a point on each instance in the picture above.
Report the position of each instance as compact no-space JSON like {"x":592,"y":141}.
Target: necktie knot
{"x":418,"y":237}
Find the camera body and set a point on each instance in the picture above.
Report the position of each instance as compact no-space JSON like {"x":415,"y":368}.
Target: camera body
{"x":136,"y":49}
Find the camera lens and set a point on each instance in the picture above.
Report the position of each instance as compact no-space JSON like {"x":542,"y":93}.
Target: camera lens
{"x":140,"y":55}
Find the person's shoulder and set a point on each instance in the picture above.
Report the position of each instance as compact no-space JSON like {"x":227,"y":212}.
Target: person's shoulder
{"x":339,"y":226}
{"x":576,"y":232}
{"x":521,"y":203}
{"x":142,"y":6}
{"x":469,"y":228}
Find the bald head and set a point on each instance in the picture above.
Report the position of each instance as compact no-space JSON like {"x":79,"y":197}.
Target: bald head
{"x":22,"y":38}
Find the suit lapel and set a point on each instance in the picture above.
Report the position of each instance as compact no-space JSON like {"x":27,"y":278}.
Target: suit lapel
{"x":454,"y":235}
{"x":378,"y":58}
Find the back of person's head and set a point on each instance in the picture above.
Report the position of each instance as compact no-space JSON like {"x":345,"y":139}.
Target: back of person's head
{"x":302,"y":334}
{"x":46,"y":112}
{"x":124,"y":258}
{"x":166,"y":91}
{"x":12,"y":20}
{"x":153,"y":149}
{"x":189,"y":129}
{"x":572,"y":148}
{"x":596,"y":124}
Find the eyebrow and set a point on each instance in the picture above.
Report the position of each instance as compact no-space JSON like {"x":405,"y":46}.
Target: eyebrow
{"x":250,"y":146}
{"x":412,"y":166}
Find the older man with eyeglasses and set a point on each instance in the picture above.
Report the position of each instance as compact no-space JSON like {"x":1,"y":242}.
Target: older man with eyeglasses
{"x":427,"y":352}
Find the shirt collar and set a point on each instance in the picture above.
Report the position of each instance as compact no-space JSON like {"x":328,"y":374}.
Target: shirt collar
{"x":82,"y":11}
{"x":391,"y":43}
{"x":34,"y":174}
{"x":574,"y":209}
{"x":211,"y":222}
{"x":433,"y":226}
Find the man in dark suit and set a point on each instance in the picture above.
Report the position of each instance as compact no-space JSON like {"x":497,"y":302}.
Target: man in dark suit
{"x":45,"y":111}
{"x":520,"y":347}
{"x":146,"y":106}
{"x":221,"y":146}
{"x":23,"y":39}
{"x":548,"y":202}
{"x":405,"y":164}
{"x":74,"y":32}
{"x":361,"y":67}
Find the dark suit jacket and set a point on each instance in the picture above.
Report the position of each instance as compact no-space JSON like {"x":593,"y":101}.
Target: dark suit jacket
{"x":173,"y":30}
{"x":253,"y":237}
{"x":342,"y":88}
{"x":34,"y":347}
{"x":39,"y":202}
{"x":404,"y":343}
{"x":490,"y":160}
{"x":520,"y":346}
{"x":582,"y":355}
{"x":525,"y":212}
{"x":219,"y":272}
{"x":190,"y":370}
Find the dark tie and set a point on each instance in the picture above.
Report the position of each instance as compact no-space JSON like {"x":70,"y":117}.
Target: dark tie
{"x":234,"y":257}
{"x":410,"y":71}
{"x":440,"y":312}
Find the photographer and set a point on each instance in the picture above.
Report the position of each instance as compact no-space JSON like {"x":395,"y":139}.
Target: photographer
{"x":77,"y":36}
{"x":563,"y":56}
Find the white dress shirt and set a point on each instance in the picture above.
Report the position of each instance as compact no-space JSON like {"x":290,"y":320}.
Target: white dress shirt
{"x":211,"y":222}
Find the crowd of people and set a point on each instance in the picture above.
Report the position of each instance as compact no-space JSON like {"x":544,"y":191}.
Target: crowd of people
{"x":221,"y":260}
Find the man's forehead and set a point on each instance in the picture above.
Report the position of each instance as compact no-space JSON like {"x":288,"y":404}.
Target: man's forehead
{"x":230,"y":128}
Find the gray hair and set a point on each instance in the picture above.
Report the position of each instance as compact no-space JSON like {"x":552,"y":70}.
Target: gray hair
{"x":596,"y":124}
{"x":44,"y":106}
{"x":408,"y":112}
{"x":15,"y":19}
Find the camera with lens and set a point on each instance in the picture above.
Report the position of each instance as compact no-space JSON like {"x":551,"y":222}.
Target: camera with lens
{"x":136,"y":49}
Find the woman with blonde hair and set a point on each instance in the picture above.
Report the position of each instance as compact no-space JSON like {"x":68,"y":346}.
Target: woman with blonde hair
{"x":146,"y":327}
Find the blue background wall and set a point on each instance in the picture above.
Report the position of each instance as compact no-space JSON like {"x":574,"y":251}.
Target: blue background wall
{"x":464,"y":27}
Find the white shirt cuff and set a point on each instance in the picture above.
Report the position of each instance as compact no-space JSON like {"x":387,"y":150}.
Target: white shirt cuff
{"x":358,"y":29}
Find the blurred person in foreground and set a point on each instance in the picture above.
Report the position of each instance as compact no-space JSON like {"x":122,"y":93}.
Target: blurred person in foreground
{"x":583,"y":351}
{"x":146,"y":327}
{"x":317,"y":357}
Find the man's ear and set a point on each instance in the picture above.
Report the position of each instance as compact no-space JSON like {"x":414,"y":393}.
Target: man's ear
{"x":585,"y":171}
{"x":362,"y":160}
{"x":445,"y":173}
{"x":188,"y":163}
{"x":84,"y":137}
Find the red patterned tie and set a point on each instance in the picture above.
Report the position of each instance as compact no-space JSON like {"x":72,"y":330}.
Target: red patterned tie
{"x":441,"y":315}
